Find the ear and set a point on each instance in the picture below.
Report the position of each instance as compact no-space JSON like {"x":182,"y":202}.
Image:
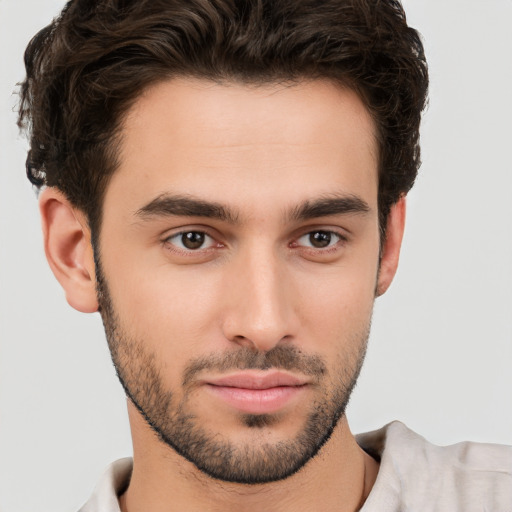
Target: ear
{"x":68,"y":248}
{"x":391,"y":248}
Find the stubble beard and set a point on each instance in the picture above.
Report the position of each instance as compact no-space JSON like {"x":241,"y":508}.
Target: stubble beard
{"x":178,"y":427}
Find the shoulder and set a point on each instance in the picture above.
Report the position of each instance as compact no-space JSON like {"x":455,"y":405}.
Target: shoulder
{"x":415,"y":473}
{"x":113,"y":483}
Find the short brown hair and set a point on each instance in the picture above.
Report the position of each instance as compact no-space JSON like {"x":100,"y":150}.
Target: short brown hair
{"x":86,"y":68}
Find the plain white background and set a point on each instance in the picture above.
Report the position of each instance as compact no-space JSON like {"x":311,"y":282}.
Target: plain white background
{"x":440,"y":353}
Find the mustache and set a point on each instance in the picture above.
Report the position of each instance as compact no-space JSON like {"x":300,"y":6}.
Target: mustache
{"x":280,"y":358}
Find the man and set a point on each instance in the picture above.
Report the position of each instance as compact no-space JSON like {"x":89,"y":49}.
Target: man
{"x":225,"y":183}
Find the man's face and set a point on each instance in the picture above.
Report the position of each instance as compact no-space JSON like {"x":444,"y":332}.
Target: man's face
{"x":239,"y":257}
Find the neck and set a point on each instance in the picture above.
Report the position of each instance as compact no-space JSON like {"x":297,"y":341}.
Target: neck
{"x":338,"y":479}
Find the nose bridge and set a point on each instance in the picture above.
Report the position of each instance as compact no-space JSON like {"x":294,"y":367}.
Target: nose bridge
{"x":261,"y":312}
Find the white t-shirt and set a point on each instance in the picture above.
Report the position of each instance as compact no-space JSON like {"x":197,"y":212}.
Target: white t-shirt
{"x":414,"y":476}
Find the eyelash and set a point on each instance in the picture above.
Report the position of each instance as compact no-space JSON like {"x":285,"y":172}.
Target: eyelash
{"x":188,"y":251}
{"x":329,"y":248}
{"x":340,"y":241}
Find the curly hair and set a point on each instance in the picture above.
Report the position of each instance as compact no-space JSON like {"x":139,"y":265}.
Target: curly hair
{"x":86,"y":69}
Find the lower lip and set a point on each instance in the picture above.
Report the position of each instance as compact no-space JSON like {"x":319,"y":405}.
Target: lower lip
{"x":257,"y":401}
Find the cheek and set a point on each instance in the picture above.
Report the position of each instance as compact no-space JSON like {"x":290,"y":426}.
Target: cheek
{"x":339,"y":323}
{"x":161,"y":322}
{"x":170,"y":309}
{"x":343,"y":294}
{"x":341,"y":314}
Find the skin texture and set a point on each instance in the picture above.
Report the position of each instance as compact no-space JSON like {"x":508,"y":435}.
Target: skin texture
{"x":258,"y":286}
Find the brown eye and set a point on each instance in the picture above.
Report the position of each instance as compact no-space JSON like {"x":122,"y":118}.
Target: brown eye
{"x":320,"y":239}
{"x":192,"y":240}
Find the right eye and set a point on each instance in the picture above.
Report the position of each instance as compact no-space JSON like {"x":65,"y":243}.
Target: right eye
{"x":191,"y":240}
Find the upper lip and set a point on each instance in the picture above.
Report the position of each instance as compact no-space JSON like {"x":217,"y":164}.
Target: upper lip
{"x":257,"y":380}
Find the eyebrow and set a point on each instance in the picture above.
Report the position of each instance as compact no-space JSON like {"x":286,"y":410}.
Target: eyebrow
{"x":172,"y":205}
{"x":330,"y":205}
{"x":184,"y":206}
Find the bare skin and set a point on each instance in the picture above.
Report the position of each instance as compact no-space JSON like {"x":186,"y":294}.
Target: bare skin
{"x":256,"y":280}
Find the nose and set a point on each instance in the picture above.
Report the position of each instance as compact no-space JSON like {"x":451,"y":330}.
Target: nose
{"x":260,"y":310}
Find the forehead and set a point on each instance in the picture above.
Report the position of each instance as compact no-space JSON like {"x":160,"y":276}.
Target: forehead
{"x":232,"y":142}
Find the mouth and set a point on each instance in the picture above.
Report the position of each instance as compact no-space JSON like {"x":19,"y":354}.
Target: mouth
{"x":256,"y":392}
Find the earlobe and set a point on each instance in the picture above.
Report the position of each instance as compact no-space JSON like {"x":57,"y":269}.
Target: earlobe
{"x":67,"y":244}
{"x":391,"y":248}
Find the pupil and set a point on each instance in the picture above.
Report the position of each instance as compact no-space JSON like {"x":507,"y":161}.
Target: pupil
{"x":192,"y":240}
{"x":320,"y":239}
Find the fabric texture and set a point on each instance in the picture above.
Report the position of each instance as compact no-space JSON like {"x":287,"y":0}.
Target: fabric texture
{"x":414,"y":476}
{"x":417,"y":476}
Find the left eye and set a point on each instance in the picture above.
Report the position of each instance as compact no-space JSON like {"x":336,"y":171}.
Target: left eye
{"x":319,"y":239}
{"x":191,"y":240}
